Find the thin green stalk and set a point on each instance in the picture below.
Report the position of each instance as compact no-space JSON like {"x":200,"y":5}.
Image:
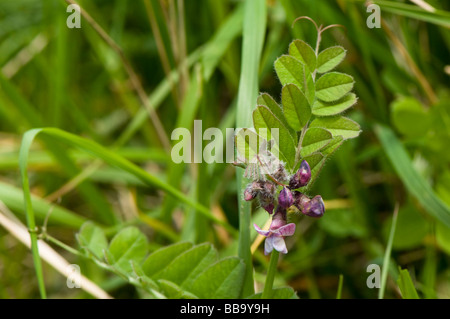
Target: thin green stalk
{"x":31,"y":223}
{"x":267,"y":292}
{"x":254,"y":28}
{"x":341,"y":283}
{"x":387,"y":254}
{"x":60,"y":244}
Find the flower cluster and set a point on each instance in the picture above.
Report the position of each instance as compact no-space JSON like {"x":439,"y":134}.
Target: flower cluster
{"x":265,"y":191}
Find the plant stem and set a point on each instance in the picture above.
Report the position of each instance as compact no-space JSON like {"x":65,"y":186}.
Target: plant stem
{"x":387,"y":254}
{"x":254,"y":28}
{"x":267,"y":292}
{"x":30,"y":215}
{"x":341,"y":282}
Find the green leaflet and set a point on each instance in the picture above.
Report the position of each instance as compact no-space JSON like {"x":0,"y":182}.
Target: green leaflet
{"x":321,"y":108}
{"x":185,"y":267}
{"x":158,"y":260}
{"x":222,"y":280}
{"x":128,"y":245}
{"x":295,"y":106}
{"x":334,"y":144}
{"x":333,"y":86}
{"x":263,"y":118}
{"x":291,"y":70}
{"x":181,"y":270}
{"x":303,"y":52}
{"x":314,"y":140}
{"x":93,"y":239}
{"x":266,"y":100}
{"x":330,"y":58}
{"x":338,"y":126}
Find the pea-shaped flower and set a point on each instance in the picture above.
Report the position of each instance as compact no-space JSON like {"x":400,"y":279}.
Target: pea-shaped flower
{"x":285,"y":199}
{"x":301,"y":177}
{"x":311,"y":207}
{"x":277,"y":231}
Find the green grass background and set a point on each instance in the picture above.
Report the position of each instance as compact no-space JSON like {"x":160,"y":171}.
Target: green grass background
{"x":185,"y":58}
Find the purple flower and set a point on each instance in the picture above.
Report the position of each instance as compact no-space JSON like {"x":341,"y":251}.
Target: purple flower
{"x":311,"y":207}
{"x":266,"y":196}
{"x":301,"y":177}
{"x":252,"y":190}
{"x":315,"y":207}
{"x":277,"y":231}
{"x":269,"y":208}
{"x":249,"y":193}
{"x":285,"y":199}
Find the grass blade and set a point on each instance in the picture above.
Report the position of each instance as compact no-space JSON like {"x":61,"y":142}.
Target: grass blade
{"x":253,"y":38}
{"x":415,"y":183}
{"x":406,"y":285}
{"x":340,"y":285}
{"x":13,"y":198}
{"x":387,"y":254}
{"x":108,"y":156}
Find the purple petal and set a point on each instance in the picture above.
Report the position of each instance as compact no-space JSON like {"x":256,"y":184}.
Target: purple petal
{"x":262,"y":232}
{"x":287,"y":230}
{"x":278,"y":220}
{"x":305,"y":173}
{"x":269,"y":208}
{"x":315,"y":207}
{"x":268,"y":245}
{"x":279,"y":244}
{"x":285,"y":199}
{"x":301,"y":177}
{"x":249,"y":193}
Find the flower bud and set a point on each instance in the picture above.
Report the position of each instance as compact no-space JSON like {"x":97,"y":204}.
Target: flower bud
{"x":280,"y":174}
{"x":268,"y":189}
{"x":299,"y":199}
{"x":252,"y":190}
{"x":314,"y":208}
{"x":279,"y":218}
{"x":301,"y":177}
{"x":269,"y":208}
{"x":285,"y":199}
{"x":249,"y":193}
{"x":266,"y":196}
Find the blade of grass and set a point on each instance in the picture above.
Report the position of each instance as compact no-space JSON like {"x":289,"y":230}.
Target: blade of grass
{"x":412,"y":180}
{"x":340,"y":285}
{"x":13,"y":198}
{"x":438,"y":17}
{"x":33,"y":119}
{"x":418,"y":74}
{"x":160,"y":44}
{"x":134,"y":79}
{"x":254,"y":28}
{"x":59,"y":80}
{"x":387,"y":254}
{"x":406,"y":285}
{"x":210,"y":55}
{"x":111,"y":158}
{"x":31,"y":221}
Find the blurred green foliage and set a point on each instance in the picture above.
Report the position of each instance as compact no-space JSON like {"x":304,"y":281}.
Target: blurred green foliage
{"x":187,"y":57}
